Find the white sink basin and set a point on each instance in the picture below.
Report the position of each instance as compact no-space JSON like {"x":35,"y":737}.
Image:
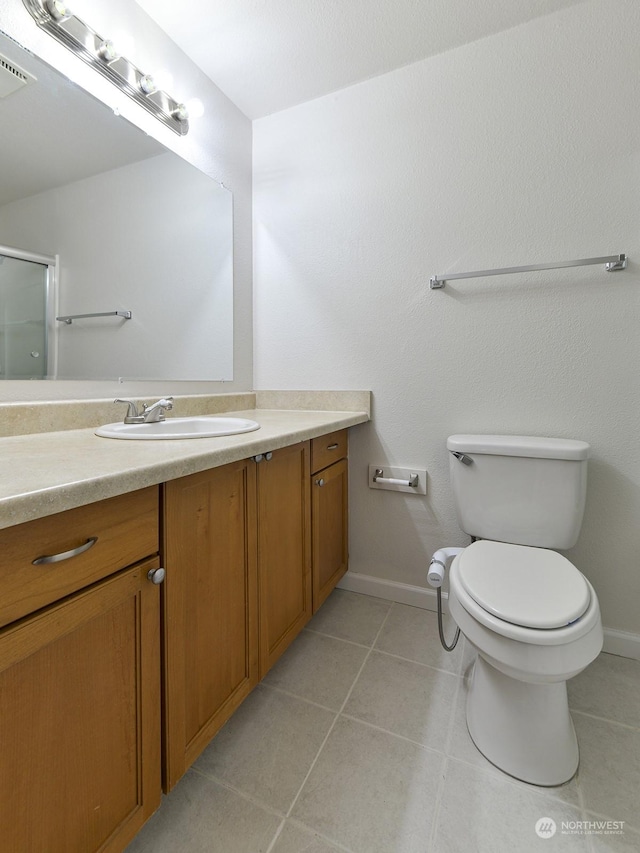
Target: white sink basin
{"x":197,"y":427}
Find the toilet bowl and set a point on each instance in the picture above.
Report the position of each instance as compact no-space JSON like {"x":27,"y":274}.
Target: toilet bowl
{"x":534,"y":621}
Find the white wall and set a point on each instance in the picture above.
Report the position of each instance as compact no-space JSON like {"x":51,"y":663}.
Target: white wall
{"x":520,"y":148}
{"x":219,"y":144}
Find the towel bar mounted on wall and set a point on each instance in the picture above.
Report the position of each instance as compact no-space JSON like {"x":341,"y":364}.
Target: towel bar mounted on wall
{"x":71,"y":317}
{"x":612,"y":263}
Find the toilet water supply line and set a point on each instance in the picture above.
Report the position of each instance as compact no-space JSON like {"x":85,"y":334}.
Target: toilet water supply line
{"x":435,"y":576}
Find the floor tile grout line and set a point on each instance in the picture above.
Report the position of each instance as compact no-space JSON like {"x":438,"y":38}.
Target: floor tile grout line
{"x":382,"y":730}
{"x":333,"y":637}
{"x":445,"y":768}
{"x":417,"y":662}
{"x":605,"y":720}
{"x":301,"y":698}
{"x":255,"y":801}
{"x":337,"y":844}
{"x":581,"y":796}
{"x":452,"y":719}
{"x":337,"y":716}
{"x":275,"y":838}
{"x":367,"y":723}
{"x":436,"y":808}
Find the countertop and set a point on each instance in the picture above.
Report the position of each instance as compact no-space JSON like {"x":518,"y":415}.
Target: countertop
{"x":42,"y":474}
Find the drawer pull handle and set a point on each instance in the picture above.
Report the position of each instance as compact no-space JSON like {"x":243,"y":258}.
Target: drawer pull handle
{"x":332,"y":446}
{"x":66,"y":555}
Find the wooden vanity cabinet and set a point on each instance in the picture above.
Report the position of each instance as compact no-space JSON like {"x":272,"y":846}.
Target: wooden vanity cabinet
{"x":87,"y":739}
{"x":236,"y":546}
{"x":329,"y":513}
{"x":237,"y":550}
{"x":284,"y":549}
{"x":210,"y":607}
{"x":80,"y":685}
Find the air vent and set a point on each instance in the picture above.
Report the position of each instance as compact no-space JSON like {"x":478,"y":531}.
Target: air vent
{"x":12,"y":77}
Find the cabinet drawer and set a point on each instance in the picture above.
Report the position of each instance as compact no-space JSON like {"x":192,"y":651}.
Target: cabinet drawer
{"x":327,"y":449}
{"x":125,"y":529}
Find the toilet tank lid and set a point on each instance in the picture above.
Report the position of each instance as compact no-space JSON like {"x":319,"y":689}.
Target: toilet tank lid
{"x":520,"y":445}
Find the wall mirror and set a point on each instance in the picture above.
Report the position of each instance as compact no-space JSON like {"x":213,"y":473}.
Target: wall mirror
{"x":133,"y":227}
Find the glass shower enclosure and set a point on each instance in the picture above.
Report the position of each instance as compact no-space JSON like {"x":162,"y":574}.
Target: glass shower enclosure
{"x":26,"y":311}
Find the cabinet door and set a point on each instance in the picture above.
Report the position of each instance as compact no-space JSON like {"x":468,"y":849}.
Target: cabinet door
{"x":210,"y":607}
{"x":80,"y":719}
{"x":284,"y":549}
{"x":329,"y":513}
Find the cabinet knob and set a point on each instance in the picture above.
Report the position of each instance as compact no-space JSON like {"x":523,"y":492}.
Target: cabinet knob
{"x":258,"y":458}
{"x":156,"y":575}
{"x":268,"y":456}
{"x":320,"y":482}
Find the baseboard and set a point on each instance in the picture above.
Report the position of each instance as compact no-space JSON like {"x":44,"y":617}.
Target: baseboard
{"x":620,"y":643}
{"x":403,"y":593}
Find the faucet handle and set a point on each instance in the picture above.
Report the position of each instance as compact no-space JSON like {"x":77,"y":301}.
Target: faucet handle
{"x":155,"y":412}
{"x":132,"y":411}
{"x":163,"y":403}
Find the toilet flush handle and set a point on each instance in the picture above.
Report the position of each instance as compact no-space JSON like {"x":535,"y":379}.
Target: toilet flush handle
{"x":462,"y":457}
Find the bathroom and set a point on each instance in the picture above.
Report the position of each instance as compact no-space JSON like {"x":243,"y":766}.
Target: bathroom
{"x":515,"y":145}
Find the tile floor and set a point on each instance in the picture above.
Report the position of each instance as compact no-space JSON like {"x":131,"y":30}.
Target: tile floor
{"x":356,"y":742}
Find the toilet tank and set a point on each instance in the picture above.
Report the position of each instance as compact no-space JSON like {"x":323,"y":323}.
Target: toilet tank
{"x":519,"y":489}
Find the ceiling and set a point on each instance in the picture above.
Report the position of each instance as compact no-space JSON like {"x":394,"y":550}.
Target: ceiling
{"x":268,"y":55}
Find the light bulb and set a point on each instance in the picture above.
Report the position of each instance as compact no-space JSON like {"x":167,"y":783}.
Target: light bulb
{"x":195,"y":108}
{"x":58,"y":11}
{"x":107,"y":51}
{"x":164,"y":79}
{"x":180,"y":112}
{"x":147,"y":84}
{"x":125,"y":41}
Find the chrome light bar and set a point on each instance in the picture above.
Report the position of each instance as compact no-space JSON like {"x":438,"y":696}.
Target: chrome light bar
{"x":55,"y":18}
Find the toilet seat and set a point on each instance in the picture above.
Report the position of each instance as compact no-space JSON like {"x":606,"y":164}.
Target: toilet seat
{"x":533,"y":588}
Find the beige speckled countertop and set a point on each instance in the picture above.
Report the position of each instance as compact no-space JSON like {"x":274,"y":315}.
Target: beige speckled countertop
{"x":48,"y":472}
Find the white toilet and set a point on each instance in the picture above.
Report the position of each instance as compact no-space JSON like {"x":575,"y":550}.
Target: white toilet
{"x":532,"y":617}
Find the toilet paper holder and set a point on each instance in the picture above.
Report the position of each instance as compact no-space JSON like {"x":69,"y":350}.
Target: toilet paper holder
{"x":411,"y":481}
{"x":379,"y":477}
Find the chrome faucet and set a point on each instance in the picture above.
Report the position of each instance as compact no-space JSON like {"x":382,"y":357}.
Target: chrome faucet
{"x":154,"y":413}
{"x":132,"y":416}
{"x":150,"y":414}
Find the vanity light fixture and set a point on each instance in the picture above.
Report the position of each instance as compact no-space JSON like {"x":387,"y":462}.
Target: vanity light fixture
{"x":55,"y":17}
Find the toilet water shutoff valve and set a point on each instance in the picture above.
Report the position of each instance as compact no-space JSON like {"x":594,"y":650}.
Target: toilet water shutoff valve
{"x":438,"y":565}
{"x":435,"y":576}
{"x":436,"y":573}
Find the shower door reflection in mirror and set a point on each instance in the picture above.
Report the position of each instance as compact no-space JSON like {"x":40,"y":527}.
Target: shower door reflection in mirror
{"x":25,"y":290}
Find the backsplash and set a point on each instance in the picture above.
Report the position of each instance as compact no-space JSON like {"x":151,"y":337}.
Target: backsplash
{"x":55,"y":415}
